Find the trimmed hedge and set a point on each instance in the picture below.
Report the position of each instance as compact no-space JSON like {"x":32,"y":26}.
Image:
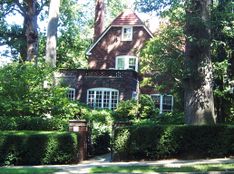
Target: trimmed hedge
{"x":159,"y":142}
{"x":32,"y":123}
{"x":34,"y":147}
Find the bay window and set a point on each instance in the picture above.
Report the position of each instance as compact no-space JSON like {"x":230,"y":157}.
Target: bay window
{"x":105,"y":98}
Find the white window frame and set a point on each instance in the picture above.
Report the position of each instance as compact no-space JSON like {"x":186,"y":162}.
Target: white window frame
{"x":134,"y":95}
{"x":129,"y":38}
{"x":102,"y":90}
{"x":126,"y":59}
{"x":71,"y":94}
{"x":161,"y":110}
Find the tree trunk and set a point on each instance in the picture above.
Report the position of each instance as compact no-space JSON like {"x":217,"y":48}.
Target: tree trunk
{"x":52,"y":33}
{"x":30,"y":20}
{"x":199,"y":102}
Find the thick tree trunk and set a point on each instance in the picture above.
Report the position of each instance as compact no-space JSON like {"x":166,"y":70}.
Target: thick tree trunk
{"x":199,"y":102}
{"x":31,"y":30}
{"x":51,"y":43}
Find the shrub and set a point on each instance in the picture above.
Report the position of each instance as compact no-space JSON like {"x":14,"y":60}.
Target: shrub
{"x":126,"y":110}
{"x":33,"y":123}
{"x":131,"y":109}
{"x":22,"y":92}
{"x":156,"y":142}
{"x":33,"y":148}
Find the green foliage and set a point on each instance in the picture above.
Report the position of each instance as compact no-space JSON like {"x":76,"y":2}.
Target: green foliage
{"x":156,"y":142}
{"x":132,"y":109}
{"x":22,"y":92}
{"x":33,"y":148}
{"x":146,"y":108}
{"x":33,"y":123}
{"x":101,"y":126}
{"x":126,"y":110}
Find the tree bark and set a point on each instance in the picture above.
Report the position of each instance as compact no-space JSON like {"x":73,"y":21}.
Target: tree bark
{"x":199,"y":102}
{"x":52,"y":33}
{"x":30,"y":22}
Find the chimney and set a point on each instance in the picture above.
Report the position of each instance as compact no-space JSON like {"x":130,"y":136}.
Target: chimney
{"x":99,"y":19}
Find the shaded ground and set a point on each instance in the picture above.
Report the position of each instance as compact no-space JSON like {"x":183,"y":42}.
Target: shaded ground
{"x":104,"y":161}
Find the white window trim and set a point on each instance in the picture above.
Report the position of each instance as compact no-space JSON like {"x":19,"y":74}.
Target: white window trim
{"x":73,"y":90}
{"x":161,"y":102}
{"x":122,"y":35}
{"x":103,"y":90}
{"x":126,"y":61}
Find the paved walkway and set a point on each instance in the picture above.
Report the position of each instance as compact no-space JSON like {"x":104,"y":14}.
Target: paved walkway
{"x":104,"y":161}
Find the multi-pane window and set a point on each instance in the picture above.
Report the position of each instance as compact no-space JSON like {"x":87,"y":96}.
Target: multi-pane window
{"x":167,"y":103}
{"x":134,"y":95}
{"x":127,"y":33}
{"x":71,"y":94}
{"x":163,"y":102}
{"x":126,"y":62}
{"x":105,"y":98}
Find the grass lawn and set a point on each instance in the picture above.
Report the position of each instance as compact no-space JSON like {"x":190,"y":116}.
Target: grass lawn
{"x":148,"y":169}
{"x":27,"y":170}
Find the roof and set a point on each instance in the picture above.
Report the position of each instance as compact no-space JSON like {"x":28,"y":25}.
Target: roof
{"x":127,"y":17}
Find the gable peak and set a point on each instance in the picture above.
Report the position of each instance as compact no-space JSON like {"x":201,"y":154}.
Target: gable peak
{"x":127,"y":17}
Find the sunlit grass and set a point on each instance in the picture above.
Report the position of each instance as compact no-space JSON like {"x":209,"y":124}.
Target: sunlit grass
{"x":148,"y":169}
{"x":27,"y":170}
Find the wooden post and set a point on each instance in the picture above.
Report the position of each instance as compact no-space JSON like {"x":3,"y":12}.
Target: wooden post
{"x":81,"y":128}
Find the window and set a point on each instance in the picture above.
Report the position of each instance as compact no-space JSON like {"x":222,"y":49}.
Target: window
{"x":163,"y":102}
{"x":71,"y":93}
{"x":134,"y":95}
{"x":105,"y":98}
{"x":126,"y":62}
{"x":127,"y":33}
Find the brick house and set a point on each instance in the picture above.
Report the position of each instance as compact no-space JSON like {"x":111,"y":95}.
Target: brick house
{"x":113,"y":61}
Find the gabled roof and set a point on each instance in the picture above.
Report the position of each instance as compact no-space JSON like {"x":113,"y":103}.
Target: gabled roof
{"x":127,"y":17}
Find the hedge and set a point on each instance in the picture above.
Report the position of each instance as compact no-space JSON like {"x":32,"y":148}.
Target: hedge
{"x":33,"y":123}
{"x":37,"y":147}
{"x":185,"y":142}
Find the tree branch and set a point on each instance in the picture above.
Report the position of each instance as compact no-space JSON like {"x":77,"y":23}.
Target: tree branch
{"x":41,"y":6}
{"x":23,"y":11}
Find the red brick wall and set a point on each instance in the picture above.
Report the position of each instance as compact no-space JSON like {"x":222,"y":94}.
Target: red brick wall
{"x":110,"y":46}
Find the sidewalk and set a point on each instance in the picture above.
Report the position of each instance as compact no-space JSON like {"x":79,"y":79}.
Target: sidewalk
{"x":104,"y":161}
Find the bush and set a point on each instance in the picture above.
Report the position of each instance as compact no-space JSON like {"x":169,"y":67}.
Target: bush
{"x":22,"y":92}
{"x":33,"y":148}
{"x":101,"y":124}
{"x":33,"y":123}
{"x":152,"y":142}
{"x":131,"y":109}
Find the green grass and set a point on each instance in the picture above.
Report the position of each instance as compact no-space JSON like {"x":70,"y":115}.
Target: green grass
{"x":148,"y":169}
{"x":27,"y":170}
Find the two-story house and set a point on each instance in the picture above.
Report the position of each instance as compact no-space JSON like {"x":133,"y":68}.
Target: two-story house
{"x":113,"y":61}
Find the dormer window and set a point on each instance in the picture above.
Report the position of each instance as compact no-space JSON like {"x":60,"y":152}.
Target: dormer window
{"x":127,"y":33}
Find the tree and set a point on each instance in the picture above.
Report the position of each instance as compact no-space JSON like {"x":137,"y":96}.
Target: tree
{"x":222,"y":30}
{"x":28,"y":33}
{"x":198,"y":75}
{"x":52,"y":32}
{"x":199,"y":102}
{"x":163,"y":56}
